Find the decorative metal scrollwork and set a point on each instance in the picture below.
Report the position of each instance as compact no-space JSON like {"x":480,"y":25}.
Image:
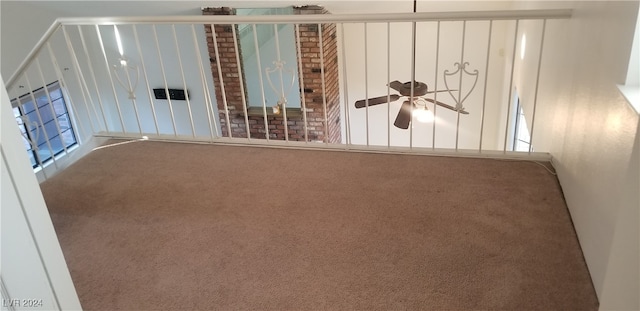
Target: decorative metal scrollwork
{"x":125,"y":66}
{"x":462,"y":69}
{"x":279,"y":66}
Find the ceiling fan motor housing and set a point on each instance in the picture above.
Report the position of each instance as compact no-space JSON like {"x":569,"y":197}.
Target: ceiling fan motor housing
{"x":419,"y":89}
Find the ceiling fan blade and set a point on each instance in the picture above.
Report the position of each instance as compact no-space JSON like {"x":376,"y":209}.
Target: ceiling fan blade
{"x":404,"y":115}
{"x":439,"y":91}
{"x":377,"y":100}
{"x":396,"y":85}
{"x":445,"y":105}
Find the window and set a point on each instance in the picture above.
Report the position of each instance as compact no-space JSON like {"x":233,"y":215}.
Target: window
{"x":631,"y":88}
{"x":521,"y":137}
{"x":45,"y":127}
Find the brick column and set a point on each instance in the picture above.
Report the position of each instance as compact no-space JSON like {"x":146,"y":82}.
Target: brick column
{"x":230,"y":75}
{"x":312,"y":78}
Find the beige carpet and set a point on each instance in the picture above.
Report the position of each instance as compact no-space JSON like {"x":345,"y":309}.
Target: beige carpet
{"x":150,"y":225}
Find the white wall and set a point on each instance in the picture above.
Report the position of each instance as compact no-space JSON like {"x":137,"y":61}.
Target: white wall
{"x":621,"y":286}
{"x":591,"y":132}
{"x":31,"y":261}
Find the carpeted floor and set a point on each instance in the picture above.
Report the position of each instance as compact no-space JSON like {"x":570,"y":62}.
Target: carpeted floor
{"x":150,"y":225}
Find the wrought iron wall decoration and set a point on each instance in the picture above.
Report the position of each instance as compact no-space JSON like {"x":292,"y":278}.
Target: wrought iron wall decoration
{"x":123,"y":68}
{"x":461,"y":69}
{"x":279,"y":67}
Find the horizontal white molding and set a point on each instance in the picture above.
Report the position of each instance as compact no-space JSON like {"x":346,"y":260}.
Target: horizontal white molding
{"x":300,"y":145}
{"x":32,"y":55}
{"x":324,"y":18}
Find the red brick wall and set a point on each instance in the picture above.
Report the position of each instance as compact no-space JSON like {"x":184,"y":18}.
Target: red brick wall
{"x":318,"y":129}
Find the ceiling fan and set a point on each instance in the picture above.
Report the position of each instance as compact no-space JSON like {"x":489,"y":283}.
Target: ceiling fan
{"x":415,"y":105}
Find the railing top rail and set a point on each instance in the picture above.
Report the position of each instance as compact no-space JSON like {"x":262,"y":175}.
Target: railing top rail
{"x":292,"y":19}
{"x":34,"y":52}
{"x":325,"y":18}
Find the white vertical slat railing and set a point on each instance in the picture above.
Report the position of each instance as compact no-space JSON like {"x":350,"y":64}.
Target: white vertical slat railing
{"x":213,"y":127}
{"x":223,"y":92}
{"x":513,"y":62}
{"x":243,"y":95}
{"x":324,"y":88}
{"x":39,"y":117}
{"x":79,"y":121}
{"x":535,"y":98}
{"x":345,"y":90}
{"x":93,"y":77}
{"x":464,"y":31}
{"x":435,"y":95}
{"x":366,"y":82}
{"x":88,"y":100}
{"x":108,"y":70}
{"x":184,"y":80}
{"x":98,"y":103}
{"x":164,"y":79}
{"x":261,"y":81}
{"x":154,"y":115}
{"x":303,"y":100}
{"x":484,"y":92}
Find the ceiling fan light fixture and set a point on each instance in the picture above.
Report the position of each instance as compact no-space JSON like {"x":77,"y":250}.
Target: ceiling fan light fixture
{"x":277,"y":109}
{"x":423,"y":115}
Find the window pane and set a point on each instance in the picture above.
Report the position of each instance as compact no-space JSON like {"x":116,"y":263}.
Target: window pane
{"x":64,"y":123}
{"x":33,"y":116}
{"x":523,"y":131}
{"x":44,"y":124}
{"x":55,"y":93}
{"x":44,"y":153}
{"x":56,"y":144}
{"x":46,"y":113}
{"x":69,"y":138}
{"x":37,"y":135}
{"x":51,"y":129}
{"x":522,"y":146}
{"x":59,"y":106}
{"x":27,"y":106}
{"x":42,"y":100}
{"x":26,"y":143}
{"x":19,"y":120}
